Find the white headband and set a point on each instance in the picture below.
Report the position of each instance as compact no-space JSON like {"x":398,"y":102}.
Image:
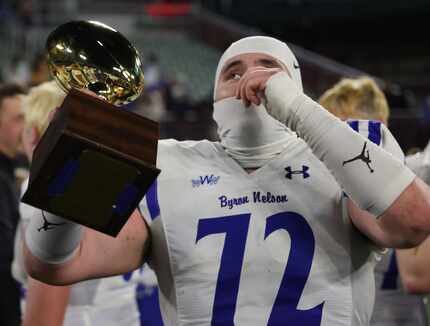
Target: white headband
{"x":266,"y":45}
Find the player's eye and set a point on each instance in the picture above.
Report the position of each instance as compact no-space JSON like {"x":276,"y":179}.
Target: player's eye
{"x":235,"y":76}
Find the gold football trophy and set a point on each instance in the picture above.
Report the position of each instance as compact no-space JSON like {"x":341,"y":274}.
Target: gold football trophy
{"x":95,"y":161}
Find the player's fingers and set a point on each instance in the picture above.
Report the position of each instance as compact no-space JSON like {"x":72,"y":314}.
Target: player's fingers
{"x":249,"y":83}
{"x":261,"y":89}
{"x":258,"y":86}
{"x":237,"y":90}
{"x":253,"y":82}
{"x":243,"y":93}
{"x":251,"y":91}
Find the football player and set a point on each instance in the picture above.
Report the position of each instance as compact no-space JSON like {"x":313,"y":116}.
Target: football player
{"x":251,"y":230}
{"x":361,"y":98}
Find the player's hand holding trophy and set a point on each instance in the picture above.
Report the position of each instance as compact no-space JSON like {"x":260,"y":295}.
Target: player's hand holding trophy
{"x":96,"y":161}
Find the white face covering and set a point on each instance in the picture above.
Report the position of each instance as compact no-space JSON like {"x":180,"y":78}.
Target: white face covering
{"x":249,"y":134}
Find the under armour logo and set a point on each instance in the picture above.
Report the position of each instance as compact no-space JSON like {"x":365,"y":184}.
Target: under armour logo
{"x":363,"y":156}
{"x":48,"y":225}
{"x":303,"y":171}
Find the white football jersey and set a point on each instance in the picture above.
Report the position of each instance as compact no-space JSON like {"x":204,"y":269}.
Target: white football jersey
{"x":106,"y":301}
{"x":273,"y":247}
{"x":420,"y":164}
{"x":393,"y":306}
{"x":128,"y":300}
{"x":379,"y":134}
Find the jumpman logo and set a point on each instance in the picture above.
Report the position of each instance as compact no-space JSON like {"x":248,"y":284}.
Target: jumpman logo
{"x":364,"y":156}
{"x":48,"y":225}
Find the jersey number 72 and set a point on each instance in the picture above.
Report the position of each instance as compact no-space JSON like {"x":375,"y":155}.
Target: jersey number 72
{"x":284,"y":310}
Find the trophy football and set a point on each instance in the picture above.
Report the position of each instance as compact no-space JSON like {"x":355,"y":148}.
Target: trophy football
{"x":95,"y":161}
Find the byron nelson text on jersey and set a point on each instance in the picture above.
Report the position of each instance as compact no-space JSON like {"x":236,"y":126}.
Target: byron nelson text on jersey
{"x":257,"y":197}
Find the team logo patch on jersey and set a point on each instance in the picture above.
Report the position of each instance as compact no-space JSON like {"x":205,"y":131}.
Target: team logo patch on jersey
{"x":304,"y":172}
{"x":207,"y":179}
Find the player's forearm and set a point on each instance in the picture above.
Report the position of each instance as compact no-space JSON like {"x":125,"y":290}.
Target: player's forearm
{"x":51,"y":244}
{"x":94,"y":255}
{"x":45,"y":304}
{"x":92,"y":258}
{"x":409,"y":215}
{"x":414,"y":265}
{"x":373,"y":178}
{"x":53,"y":274}
{"x":370,"y":176}
{"x":391,"y":235}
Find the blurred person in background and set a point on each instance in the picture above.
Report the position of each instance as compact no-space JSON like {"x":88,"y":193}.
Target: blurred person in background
{"x":107,"y":301}
{"x":153,"y":74}
{"x":395,"y":303}
{"x":152,"y":103}
{"x":414,"y":264}
{"x":39,"y":71}
{"x":359,"y":99}
{"x":251,"y":230}
{"x":178,"y":99}
{"x":11,"y":125}
{"x":18,"y":70}
{"x":26,"y":73}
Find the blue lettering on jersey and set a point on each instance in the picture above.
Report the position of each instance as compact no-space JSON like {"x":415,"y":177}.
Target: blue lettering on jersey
{"x":269,"y":198}
{"x":231,"y":202}
{"x":257,"y":197}
{"x":284,"y":310}
{"x":207,"y":179}
{"x":235,"y":228}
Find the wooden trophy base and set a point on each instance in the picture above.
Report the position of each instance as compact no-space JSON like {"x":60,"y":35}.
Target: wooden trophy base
{"x":94,"y":163}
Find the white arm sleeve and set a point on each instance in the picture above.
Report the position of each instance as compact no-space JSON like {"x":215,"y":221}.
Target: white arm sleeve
{"x":51,"y":238}
{"x":372,"y":177}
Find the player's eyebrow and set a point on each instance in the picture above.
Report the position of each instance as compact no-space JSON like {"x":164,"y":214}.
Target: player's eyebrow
{"x":269,"y":62}
{"x":273,"y":63}
{"x":232,"y":64}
